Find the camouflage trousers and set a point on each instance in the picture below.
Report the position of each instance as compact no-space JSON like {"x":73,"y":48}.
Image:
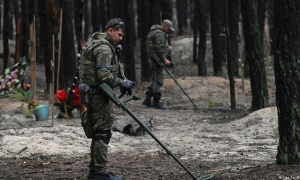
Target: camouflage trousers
{"x":157,"y":78}
{"x":100,"y":113}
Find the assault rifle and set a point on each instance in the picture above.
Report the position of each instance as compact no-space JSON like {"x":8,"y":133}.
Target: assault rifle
{"x":167,"y":70}
{"x":110,"y":93}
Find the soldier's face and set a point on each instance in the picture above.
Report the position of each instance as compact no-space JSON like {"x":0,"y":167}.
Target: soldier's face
{"x":116,"y":35}
{"x":166,"y":29}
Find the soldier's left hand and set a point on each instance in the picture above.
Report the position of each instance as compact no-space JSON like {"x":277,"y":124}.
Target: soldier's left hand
{"x":125,"y":90}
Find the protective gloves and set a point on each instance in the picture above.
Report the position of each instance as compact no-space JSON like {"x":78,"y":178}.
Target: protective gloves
{"x":124,"y":90}
{"x":128,"y":84}
{"x":126,"y":87}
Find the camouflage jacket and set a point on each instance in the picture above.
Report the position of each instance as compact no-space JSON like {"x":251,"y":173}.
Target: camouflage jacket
{"x":157,"y":42}
{"x":99,"y":62}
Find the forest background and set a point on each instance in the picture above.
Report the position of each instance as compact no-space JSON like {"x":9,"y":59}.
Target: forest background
{"x":52,"y":33}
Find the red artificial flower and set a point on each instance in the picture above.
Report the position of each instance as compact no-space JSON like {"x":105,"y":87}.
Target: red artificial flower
{"x":61,"y":95}
{"x":76,"y":97}
{"x":26,"y":86}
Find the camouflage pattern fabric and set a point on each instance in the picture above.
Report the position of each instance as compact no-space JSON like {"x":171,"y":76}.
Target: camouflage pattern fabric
{"x":99,"y":64}
{"x":157,"y":78}
{"x":157,"y":43}
{"x":100,"y":113}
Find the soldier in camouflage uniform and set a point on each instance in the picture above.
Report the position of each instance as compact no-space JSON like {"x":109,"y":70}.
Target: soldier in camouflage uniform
{"x":157,"y":49}
{"x":99,"y":63}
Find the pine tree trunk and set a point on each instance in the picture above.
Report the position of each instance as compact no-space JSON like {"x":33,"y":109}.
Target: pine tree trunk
{"x":87,"y":19}
{"x":130,"y":41}
{"x":202,"y":38}
{"x":218,"y":46}
{"x":287,"y":78}
{"x":181,"y":8}
{"x":78,"y":15}
{"x":18,"y":28}
{"x":103,"y":17}
{"x":68,"y":61}
{"x":195,"y":32}
{"x":167,"y":9}
{"x":233,"y":25}
{"x":46,"y":39}
{"x":25,"y":30}
{"x":6,"y":35}
{"x":261,"y":15}
{"x":95,"y":16}
{"x":254,"y":55}
{"x":230,"y":59}
{"x":154,"y":12}
{"x":145,"y":27}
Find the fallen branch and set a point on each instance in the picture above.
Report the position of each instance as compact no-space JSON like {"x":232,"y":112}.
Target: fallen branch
{"x":23,"y":149}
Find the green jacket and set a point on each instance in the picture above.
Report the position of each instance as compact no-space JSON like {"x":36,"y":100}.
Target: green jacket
{"x":157,"y":43}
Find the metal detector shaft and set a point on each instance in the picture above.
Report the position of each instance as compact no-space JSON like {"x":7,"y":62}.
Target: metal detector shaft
{"x":106,"y":89}
{"x":161,"y":64}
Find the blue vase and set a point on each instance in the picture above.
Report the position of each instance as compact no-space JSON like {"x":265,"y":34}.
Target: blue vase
{"x":41,"y":112}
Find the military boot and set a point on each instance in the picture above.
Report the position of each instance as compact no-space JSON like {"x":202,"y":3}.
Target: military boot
{"x":91,"y":175}
{"x":147,"y":101}
{"x":156,"y":103}
{"x":109,"y":176}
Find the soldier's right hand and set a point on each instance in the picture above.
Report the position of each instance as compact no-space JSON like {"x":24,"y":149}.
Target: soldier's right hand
{"x":128,"y":84}
{"x":167,"y":62}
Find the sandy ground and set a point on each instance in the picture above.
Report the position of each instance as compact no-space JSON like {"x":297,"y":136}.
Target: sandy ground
{"x":211,"y":132}
{"x":192,"y":133}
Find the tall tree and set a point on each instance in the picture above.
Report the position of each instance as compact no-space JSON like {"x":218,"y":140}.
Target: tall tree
{"x":167,"y":13}
{"x":167,"y":9}
{"x":254,"y":54}
{"x":139,"y":22}
{"x":233,"y":25}
{"x":202,"y":37}
{"x":261,"y":15}
{"x":35,"y":19}
{"x":230,"y":59}
{"x":53,"y":14}
{"x":130,"y":41}
{"x":1,"y":21}
{"x":6,"y":53}
{"x":87,"y":19}
{"x":25,"y":30}
{"x":218,"y":46}
{"x":68,"y":57}
{"x":95,"y":16}
{"x":119,"y":9}
{"x":46,"y":39}
{"x":287,"y":78}
{"x":271,"y":14}
{"x":103,"y":12}
{"x":195,"y":32}
{"x":181,"y":8}
{"x":109,"y":7}
{"x":78,"y":16}
{"x":154,"y":12}
{"x":145,"y":27}
{"x":18,"y":28}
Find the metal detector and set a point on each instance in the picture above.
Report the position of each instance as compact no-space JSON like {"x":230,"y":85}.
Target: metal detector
{"x":107,"y":90}
{"x":167,"y":70}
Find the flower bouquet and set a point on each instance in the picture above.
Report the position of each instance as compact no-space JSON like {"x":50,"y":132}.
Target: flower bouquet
{"x":68,"y":101}
{"x":24,"y":96}
{"x":12,"y":79}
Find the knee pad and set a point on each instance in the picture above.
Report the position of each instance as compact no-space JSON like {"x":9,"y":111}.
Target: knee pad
{"x":104,"y":135}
